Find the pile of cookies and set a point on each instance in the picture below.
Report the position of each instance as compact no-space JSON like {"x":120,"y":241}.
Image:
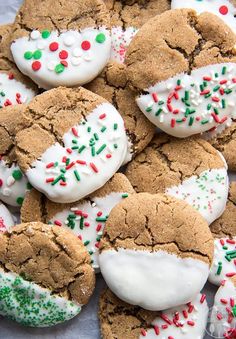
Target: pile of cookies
{"x":117,"y":131}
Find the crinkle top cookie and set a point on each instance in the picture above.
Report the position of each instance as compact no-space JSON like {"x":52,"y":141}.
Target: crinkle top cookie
{"x":183,"y":65}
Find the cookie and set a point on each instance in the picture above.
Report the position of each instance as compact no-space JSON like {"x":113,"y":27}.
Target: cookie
{"x":225,"y":225}
{"x":120,"y":320}
{"x":186,"y":79}
{"x":45,"y":275}
{"x":149,"y":241}
{"x":224,"y":263}
{"x":85,"y":218}
{"x":15,"y":88}
{"x":225,"y":142}
{"x":189,"y":169}
{"x":76,"y":142}
{"x":224,"y":9}
{"x":126,"y":18}
{"x":223,"y":316}
{"x":6,"y":219}
{"x":112,"y":85}
{"x":13,"y":183}
{"x":64,"y":43}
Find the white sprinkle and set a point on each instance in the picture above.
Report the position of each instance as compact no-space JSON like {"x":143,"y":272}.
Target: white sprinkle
{"x":6,"y":192}
{"x":51,"y":65}
{"x":77,"y":52}
{"x":88,"y":57}
{"x":35,"y":35}
{"x":73,"y":209}
{"x":76,"y":61}
{"x":161,"y":118}
{"x":41,"y":44}
{"x":69,"y":40}
{"x":10,"y":181}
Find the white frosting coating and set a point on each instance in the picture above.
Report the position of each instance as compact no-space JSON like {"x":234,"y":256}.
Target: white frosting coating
{"x":223,"y":316}
{"x":70,"y":58}
{"x":207,"y":193}
{"x":120,"y":40}
{"x":152,"y":279}
{"x":6,"y":219}
{"x":13,"y":92}
{"x":100,"y":145}
{"x":87,"y":220}
{"x":129,"y":152}
{"x":224,"y":262}
{"x":224,"y":9}
{"x":30,"y":304}
{"x":192,"y":325}
{"x":190,"y":104}
{"x":13,"y":184}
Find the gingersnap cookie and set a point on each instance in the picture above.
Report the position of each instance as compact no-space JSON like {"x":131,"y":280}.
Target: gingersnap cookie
{"x":64,"y":43}
{"x":126,"y":18}
{"x":13,"y":183}
{"x":223,"y":316}
{"x":226,"y":9}
{"x":120,"y":320}
{"x":85,"y":218}
{"x":149,"y":241}
{"x":188,"y":169}
{"x":75,"y":143}
{"x":15,"y":88}
{"x":184,"y":72}
{"x":6,"y":219}
{"x":45,"y":275}
{"x":112,"y":85}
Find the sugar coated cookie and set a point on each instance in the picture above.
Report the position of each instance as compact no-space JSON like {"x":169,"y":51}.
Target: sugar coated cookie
{"x":85,"y":218}
{"x":149,"y":241}
{"x":120,"y":320}
{"x":188,"y":83}
{"x":75,"y":144}
{"x":224,"y":9}
{"x":112,"y":85}
{"x":224,"y":263}
{"x":126,"y":18}
{"x":45,"y":275}
{"x":188,"y":169}
{"x":223,"y":316}
{"x":70,"y":49}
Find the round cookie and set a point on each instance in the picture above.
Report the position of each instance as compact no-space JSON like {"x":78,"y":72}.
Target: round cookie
{"x":223,"y":316}
{"x":188,"y":169}
{"x":126,"y":18}
{"x":224,"y":9}
{"x":120,"y":320}
{"x":149,"y":241}
{"x":112,"y":85}
{"x":13,"y":183}
{"x":225,"y":142}
{"x":45,"y":275}
{"x":85,"y":218}
{"x":186,"y":79}
{"x":76,"y":142}
{"x":15,"y":88}
{"x":6,"y":219}
{"x":61,"y":43}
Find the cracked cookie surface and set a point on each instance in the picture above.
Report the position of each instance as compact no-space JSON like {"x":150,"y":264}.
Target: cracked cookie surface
{"x":146,"y":234}
{"x":45,"y":261}
{"x":112,"y":85}
{"x":75,"y":143}
{"x":189,"y":169}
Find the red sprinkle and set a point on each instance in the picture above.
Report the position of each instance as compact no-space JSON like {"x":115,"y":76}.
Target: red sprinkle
{"x":190,"y":323}
{"x":63,"y":54}
{"x":223,"y":119}
{"x":207,"y":78}
{"x":58,"y":223}
{"x":223,"y":10}
{"x":81,"y":162}
{"x":99,"y":227}
{"x":230,"y":275}
{"x":222,"y":82}
{"x":156,"y":329}
{"x":10,"y":76}
{"x":64,"y":159}
{"x":206,"y":91}
{"x":155,"y":97}
{"x":172,"y":123}
{"x":216,"y":118}
{"x":85,"y":45}
{"x":222,"y":91}
{"x":51,"y":164}
{"x":223,"y":301}
{"x":68,"y":150}
{"x":64,"y":63}
{"x":62,"y":183}
{"x":87,"y":224}
{"x":102,"y":116}
{"x":36,"y":65}
{"x":215,"y":99}
{"x":53,"y":46}
{"x":70,"y":165}
{"x":164,"y":327}
{"x":49,"y":180}
{"x":175,"y":111}
{"x":166,"y":319}
{"x":203,"y":298}
{"x":219,"y":316}
{"x":185,"y":314}
{"x":231,"y":241}
{"x":108,"y":156}
{"x":99,"y":214}
{"x":222,"y":242}
{"x":74,"y":131}
{"x":93,"y":166}
{"x":7,"y":103}
{"x":1,"y":182}
{"x":170,"y":108}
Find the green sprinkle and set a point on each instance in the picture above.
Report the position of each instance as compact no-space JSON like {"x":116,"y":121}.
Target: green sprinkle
{"x":17,"y":174}
{"x":207,"y":95}
{"x":161,"y":103}
{"x":201,"y":87}
{"x":37,"y":54}
{"x":224,"y":69}
{"x":101,"y":219}
{"x":125,"y":195}
{"x":57,"y":180}
{"x":115,"y":126}
{"x":29,"y":186}
{"x":158,"y":112}
{"x":86,"y":243}
{"x":82,"y":148}
{"x":203,"y":122}
{"x":191,"y":120}
{"x":215,"y":89}
{"x":45,"y":34}
{"x":93,"y":152}
{"x":74,"y":147}
{"x":20,"y":200}
{"x":101,"y":149}
{"x":216,"y":111}
{"x":89,"y":129}
{"x":74,"y":141}
{"x":115,"y":146}
{"x":178,"y":82}
{"x":216,"y":75}
{"x":219,"y":268}
{"x":2,"y":94}
{"x":100,"y":38}
{"x":59,"y":68}
{"x":90,"y":252}
{"x":28,"y":55}
{"x":234,"y":311}
{"x":223,"y":102}
{"x":96,"y":137}
{"x":81,"y":224}
{"x":77,"y":175}
{"x":225,"y":247}
{"x":186,"y":95}
{"x":103,"y":129}
{"x":149,"y":109}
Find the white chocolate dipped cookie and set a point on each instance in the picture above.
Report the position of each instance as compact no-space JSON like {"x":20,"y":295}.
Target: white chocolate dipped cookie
{"x":74,"y":145}
{"x":85,"y":218}
{"x":45,"y":275}
{"x":72,"y":49}
{"x":149,"y":241}
{"x":188,"y":83}
{"x":189,"y":169}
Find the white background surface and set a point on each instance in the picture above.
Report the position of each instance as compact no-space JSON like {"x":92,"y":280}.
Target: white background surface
{"x":85,"y":326}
